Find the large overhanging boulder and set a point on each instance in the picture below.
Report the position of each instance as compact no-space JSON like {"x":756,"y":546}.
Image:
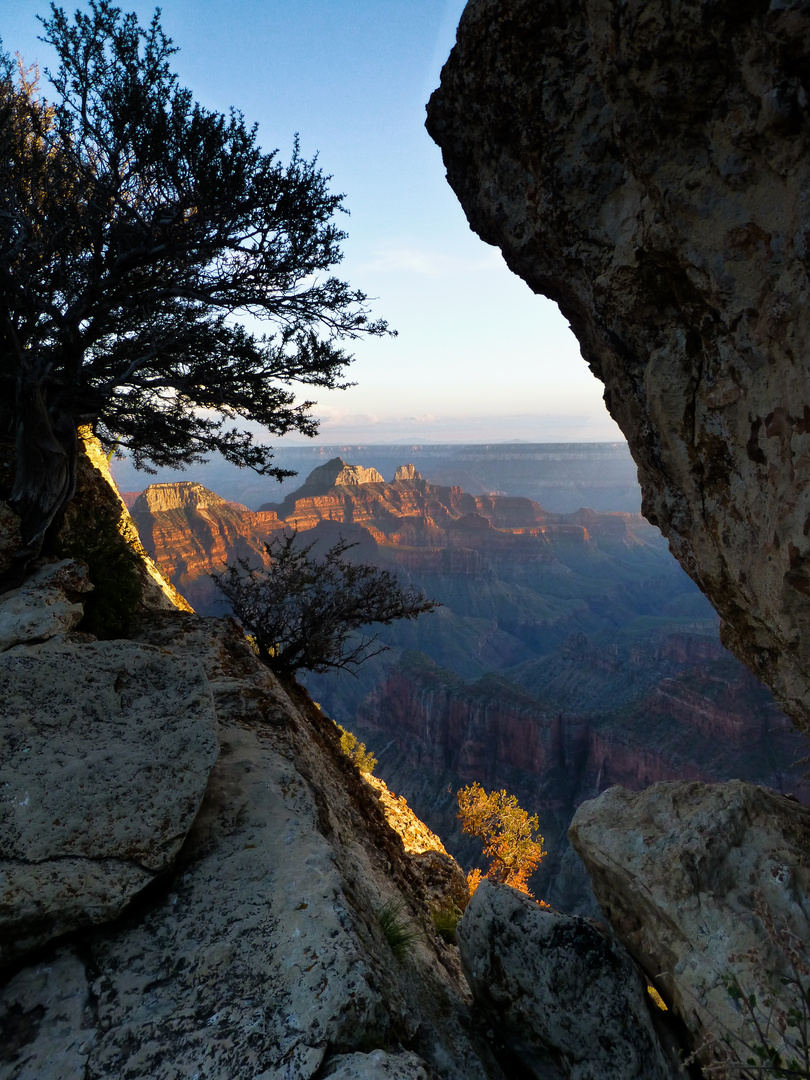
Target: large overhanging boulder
{"x":645,"y":165}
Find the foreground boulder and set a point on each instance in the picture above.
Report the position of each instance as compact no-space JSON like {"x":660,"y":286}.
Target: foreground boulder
{"x":646,"y":165}
{"x":705,"y":883}
{"x":562,"y":995}
{"x":106,"y":751}
{"x":261,"y":952}
{"x":47,"y":604}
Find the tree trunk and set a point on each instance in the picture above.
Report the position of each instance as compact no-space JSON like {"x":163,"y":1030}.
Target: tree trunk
{"x":45,"y":477}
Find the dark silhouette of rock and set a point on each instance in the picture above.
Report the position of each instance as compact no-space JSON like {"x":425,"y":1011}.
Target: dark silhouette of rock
{"x":564,"y":996}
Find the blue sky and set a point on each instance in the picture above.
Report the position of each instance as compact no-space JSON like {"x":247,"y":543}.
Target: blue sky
{"x":478,"y":358}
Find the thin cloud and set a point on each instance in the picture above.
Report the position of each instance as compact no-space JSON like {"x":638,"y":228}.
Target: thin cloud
{"x":423,"y":262}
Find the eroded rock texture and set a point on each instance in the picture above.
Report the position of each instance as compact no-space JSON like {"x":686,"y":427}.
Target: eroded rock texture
{"x":645,"y":165}
{"x":260,"y":954}
{"x":565,"y":997}
{"x":106,"y":751}
{"x":702,"y":881}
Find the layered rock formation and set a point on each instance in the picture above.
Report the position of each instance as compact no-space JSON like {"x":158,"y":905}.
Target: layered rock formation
{"x":645,"y":165}
{"x":560,"y":476}
{"x":191,"y":533}
{"x":633,"y":724}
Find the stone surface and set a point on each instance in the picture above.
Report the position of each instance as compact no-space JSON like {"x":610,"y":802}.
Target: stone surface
{"x":49,"y":603}
{"x":51,"y":998}
{"x":701,"y":881}
{"x":378,"y":1065}
{"x":406,"y":472}
{"x":646,"y":166}
{"x":565,"y":998}
{"x":443,"y":880}
{"x":261,"y":955}
{"x":337,"y":473}
{"x":158,"y":498}
{"x":106,"y":750}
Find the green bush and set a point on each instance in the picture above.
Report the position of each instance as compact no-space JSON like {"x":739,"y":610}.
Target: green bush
{"x":354,"y":749}
{"x":398,"y":932}
{"x":445,"y":920}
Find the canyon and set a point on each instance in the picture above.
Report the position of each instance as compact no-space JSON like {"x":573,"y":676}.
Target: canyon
{"x":645,"y":164}
{"x":570,"y":653}
{"x":560,"y":476}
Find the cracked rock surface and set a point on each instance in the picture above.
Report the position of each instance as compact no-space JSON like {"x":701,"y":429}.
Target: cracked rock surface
{"x":106,"y":751}
{"x":702,"y":881}
{"x":645,"y":165}
{"x":261,"y":953}
{"x":563,"y":995}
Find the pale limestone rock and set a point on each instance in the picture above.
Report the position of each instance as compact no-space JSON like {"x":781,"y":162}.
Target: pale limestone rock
{"x":701,"y":881}
{"x":158,"y":498}
{"x":46,"y":605}
{"x":106,"y":750}
{"x":262,"y":955}
{"x":416,"y":836}
{"x":378,"y":1065}
{"x":560,"y":994}
{"x":645,"y":165}
{"x":336,"y":473}
{"x":407,"y":472}
{"x":96,"y":492}
{"x":442,"y":878}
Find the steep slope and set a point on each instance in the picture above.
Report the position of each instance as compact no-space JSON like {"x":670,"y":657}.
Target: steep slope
{"x":656,"y":710}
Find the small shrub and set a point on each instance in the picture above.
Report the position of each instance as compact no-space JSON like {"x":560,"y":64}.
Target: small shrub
{"x":112,"y":569}
{"x":445,"y":920}
{"x":354,"y":749}
{"x":398,"y":932}
{"x":474,"y":880}
{"x":775,"y":1036}
{"x":508,"y":832}
{"x":306,"y":613}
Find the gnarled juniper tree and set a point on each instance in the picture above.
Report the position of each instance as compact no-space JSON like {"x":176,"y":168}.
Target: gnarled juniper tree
{"x":134,"y":226}
{"x":305,"y":613}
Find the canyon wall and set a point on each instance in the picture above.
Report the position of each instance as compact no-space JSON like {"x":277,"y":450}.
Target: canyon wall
{"x":192,"y":532}
{"x":645,"y":165}
{"x":706,"y":720}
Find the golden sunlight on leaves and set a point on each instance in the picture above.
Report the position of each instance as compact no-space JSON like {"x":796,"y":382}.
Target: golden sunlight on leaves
{"x":508,"y":833}
{"x":659,"y":1001}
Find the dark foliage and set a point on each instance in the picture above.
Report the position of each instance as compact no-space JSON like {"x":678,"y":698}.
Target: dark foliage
{"x":134,"y":226}
{"x":112,"y":568}
{"x":305,"y":613}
